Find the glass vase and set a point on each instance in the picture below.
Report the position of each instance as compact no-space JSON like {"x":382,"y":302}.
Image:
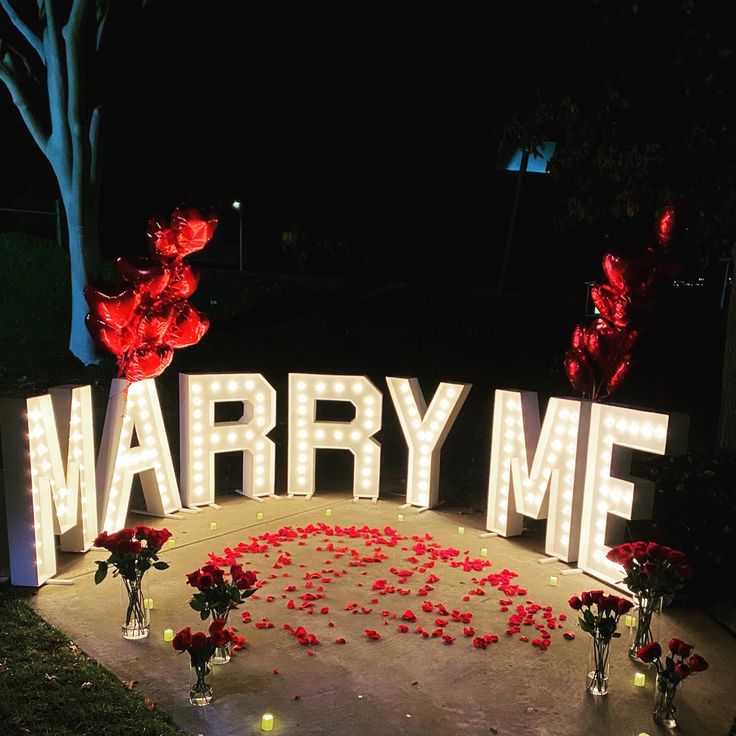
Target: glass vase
{"x":665,"y":710}
{"x":222,"y":654}
{"x":136,"y":618}
{"x":646,"y":619}
{"x":200,"y":682}
{"x":598,"y":666}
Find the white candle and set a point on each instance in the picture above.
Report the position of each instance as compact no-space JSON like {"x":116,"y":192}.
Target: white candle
{"x":553,"y":580}
{"x":213,"y":526}
{"x":461,"y":530}
{"x":168,"y":634}
{"x":640,"y":679}
{"x":267,"y":722}
{"x":484,"y":552}
{"x":259,"y":516}
{"x":400,"y":517}
{"x":328,"y":512}
{"x":148,"y":603}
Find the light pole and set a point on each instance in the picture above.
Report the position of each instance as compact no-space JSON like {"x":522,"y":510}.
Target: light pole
{"x":237,"y":206}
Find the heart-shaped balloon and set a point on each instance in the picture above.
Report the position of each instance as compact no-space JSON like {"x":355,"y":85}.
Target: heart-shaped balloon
{"x":113,"y":305}
{"x":630,"y":274}
{"x":154,"y":324}
{"x":161,"y":238}
{"x":193,"y":228}
{"x":148,"y":275}
{"x":613,"y":305}
{"x":183,"y":281}
{"x":148,"y":362}
{"x":187,"y":328}
{"x":620,"y":371}
{"x":118,"y":342}
{"x":579,"y":373}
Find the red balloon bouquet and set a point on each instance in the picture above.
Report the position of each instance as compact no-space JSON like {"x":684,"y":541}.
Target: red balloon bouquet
{"x":143,"y":320}
{"x":599,"y":356}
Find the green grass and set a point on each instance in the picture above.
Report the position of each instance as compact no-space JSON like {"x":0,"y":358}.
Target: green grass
{"x":48,"y":687}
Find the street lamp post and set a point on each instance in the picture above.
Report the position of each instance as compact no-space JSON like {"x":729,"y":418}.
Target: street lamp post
{"x":238,"y":207}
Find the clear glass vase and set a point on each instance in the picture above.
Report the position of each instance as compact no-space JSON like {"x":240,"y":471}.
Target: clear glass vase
{"x":136,"y":618}
{"x":647,"y":616}
{"x":665,"y":710}
{"x":222,"y":654}
{"x":200,"y":682}
{"x":598,"y":666}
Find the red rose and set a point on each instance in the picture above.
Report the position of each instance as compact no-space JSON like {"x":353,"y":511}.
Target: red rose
{"x":656,"y":551}
{"x":182,"y":640}
{"x":236,"y":571}
{"x":697,"y":663}
{"x":157,"y":538}
{"x":217,"y":574}
{"x":575,"y":603}
{"x":596,"y":596}
{"x":102,"y":540}
{"x":199,"y":641}
{"x":142,"y":532}
{"x":586,"y":598}
{"x":681,"y":671}
{"x":127,"y":546}
{"x":219,"y":637}
{"x":193,"y":578}
{"x":678,"y":646}
{"x":623,"y":606}
{"x":126,"y":533}
{"x":218,"y":624}
{"x":649,"y":652}
{"x":620,"y":554}
{"x":247,"y":580}
{"x":205,"y":581}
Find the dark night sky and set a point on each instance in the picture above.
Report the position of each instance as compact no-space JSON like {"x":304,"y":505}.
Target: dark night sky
{"x":360,"y":122}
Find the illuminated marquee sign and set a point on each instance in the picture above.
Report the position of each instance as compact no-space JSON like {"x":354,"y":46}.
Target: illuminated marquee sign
{"x":570,"y":468}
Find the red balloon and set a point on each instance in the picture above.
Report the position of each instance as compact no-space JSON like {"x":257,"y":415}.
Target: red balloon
{"x":115,"y":341}
{"x":579,"y":373}
{"x":161,"y":238}
{"x":666,"y":224}
{"x":187,"y":328}
{"x":153,"y":325}
{"x":183,"y":281}
{"x":148,"y":362}
{"x":192,"y":228}
{"x":634,"y":274}
{"x":618,"y":374}
{"x":148,"y":275}
{"x":614,"y":306}
{"x":115,"y":306}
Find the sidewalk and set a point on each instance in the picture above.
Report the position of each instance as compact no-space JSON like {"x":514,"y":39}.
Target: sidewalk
{"x":402,"y":683}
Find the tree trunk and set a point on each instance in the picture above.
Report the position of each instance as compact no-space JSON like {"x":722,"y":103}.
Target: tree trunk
{"x":727,"y":421}
{"x":84,"y":266}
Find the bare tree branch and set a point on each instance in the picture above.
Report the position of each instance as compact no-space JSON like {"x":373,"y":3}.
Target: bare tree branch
{"x":21,"y":99}
{"x":24,"y":28}
{"x":59,"y":139}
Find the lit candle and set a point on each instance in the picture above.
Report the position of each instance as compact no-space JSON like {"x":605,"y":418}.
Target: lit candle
{"x":267,"y":722}
{"x":461,"y":530}
{"x":484,"y":552}
{"x":168,"y":634}
{"x":400,"y":517}
{"x":328,"y":512}
{"x":259,"y":516}
{"x":213,"y":526}
{"x":148,"y":603}
{"x":553,"y":580}
{"x":640,"y":679}
{"x":629,"y":621}
{"x":171,"y":542}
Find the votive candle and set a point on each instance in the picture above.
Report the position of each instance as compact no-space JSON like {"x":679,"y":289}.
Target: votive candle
{"x":267,"y":722}
{"x":213,"y":526}
{"x":168,"y":634}
{"x":259,"y":516}
{"x":640,"y":679}
{"x":461,"y":530}
{"x":553,"y":579}
{"x":148,"y":603}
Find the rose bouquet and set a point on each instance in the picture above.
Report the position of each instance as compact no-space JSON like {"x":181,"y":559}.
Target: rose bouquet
{"x":599,"y":615}
{"x":132,"y":553}
{"x":679,"y":664}
{"x":217,"y":595}
{"x":201,"y":648}
{"x":654,"y":574}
